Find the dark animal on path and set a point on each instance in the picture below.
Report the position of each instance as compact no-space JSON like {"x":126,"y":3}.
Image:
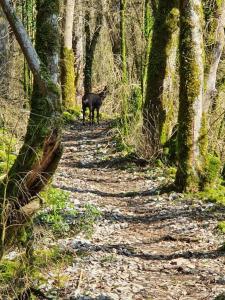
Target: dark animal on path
{"x":93,"y":102}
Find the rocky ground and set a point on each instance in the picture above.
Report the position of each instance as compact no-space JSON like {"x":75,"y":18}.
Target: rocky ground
{"x":147,"y":244}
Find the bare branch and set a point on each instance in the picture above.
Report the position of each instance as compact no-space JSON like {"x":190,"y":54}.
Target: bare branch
{"x":23,"y":39}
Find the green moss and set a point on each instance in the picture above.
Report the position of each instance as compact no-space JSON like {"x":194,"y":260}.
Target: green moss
{"x":68,"y":78}
{"x":71,"y":115}
{"x":211,"y":171}
{"x":50,"y":256}
{"x":203,"y":143}
{"x":47,"y":38}
{"x":214,"y":195}
{"x":7,"y":151}
{"x":9,"y":270}
{"x":171,"y":171}
{"x":68,"y":118}
{"x":221,"y":226}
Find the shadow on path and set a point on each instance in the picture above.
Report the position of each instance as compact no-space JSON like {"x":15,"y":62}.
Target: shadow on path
{"x":128,"y":250}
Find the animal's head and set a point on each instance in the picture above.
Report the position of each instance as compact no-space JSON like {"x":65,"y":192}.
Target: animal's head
{"x":104,"y":92}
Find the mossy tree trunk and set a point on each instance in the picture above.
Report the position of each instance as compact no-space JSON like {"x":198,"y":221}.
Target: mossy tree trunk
{"x":90,"y":46}
{"x":190,"y":121}
{"x":158,"y":112}
{"x":124,"y":73}
{"x":217,"y":42}
{"x":68,"y":71}
{"x":41,"y":151}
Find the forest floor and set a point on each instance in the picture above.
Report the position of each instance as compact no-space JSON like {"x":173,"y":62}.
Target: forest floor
{"x":146,"y":244}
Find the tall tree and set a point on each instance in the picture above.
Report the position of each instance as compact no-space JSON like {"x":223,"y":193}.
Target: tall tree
{"x":114,"y":31}
{"x":90,"y":45}
{"x":190,"y":121}
{"x":217,"y":45}
{"x":78,"y":48}
{"x":28,"y":22}
{"x":41,"y":151}
{"x":149,"y":11}
{"x":4,"y":49}
{"x":68,"y":72}
{"x":123,"y":46}
{"x":158,"y":110}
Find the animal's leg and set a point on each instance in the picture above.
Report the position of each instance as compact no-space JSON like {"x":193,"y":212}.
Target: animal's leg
{"x":98,"y":115}
{"x":92,"y":115}
{"x":84,"y":112}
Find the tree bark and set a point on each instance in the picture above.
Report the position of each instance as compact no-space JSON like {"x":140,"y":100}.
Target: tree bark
{"x":68,"y":72}
{"x":90,"y":46}
{"x":149,"y":11}
{"x":78,"y":46}
{"x":158,"y":110}
{"x":123,"y":45}
{"x":218,"y":46}
{"x":4,"y":54}
{"x":114,"y":33}
{"x":41,"y":151}
{"x":190,"y":119}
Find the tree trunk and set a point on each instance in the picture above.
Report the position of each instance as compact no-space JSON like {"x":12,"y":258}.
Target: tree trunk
{"x":4,"y":55}
{"x":91,"y":43}
{"x":190,"y":119}
{"x":114,"y":34}
{"x":123,"y":45}
{"x":218,"y":46}
{"x":158,"y":110}
{"x":41,"y":151}
{"x":27,"y":20}
{"x":68,"y":72}
{"x":149,"y":10}
{"x":79,"y":51}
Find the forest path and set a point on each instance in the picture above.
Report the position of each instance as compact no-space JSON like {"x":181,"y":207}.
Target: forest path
{"x":145,"y":245}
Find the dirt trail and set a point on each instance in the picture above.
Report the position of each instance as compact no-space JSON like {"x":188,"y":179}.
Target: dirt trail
{"x":146,"y":245}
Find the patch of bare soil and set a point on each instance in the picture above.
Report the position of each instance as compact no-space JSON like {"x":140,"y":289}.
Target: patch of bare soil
{"x":146,"y":245}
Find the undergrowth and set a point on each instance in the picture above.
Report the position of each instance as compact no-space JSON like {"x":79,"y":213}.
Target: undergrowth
{"x":18,"y":275}
{"x":71,"y":115}
{"x":7,"y":151}
{"x":60,"y":215}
